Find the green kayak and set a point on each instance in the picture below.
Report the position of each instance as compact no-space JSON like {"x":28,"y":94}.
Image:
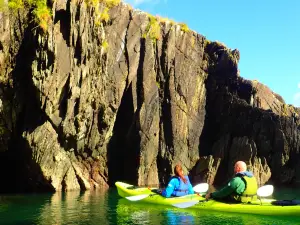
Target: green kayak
{"x":263,"y":207}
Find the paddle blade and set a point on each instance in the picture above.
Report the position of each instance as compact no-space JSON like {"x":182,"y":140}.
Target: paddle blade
{"x":265,"y":191}
{"x":137,"y":197}
{"x":203,"y":187}
{"x":183,"y":205}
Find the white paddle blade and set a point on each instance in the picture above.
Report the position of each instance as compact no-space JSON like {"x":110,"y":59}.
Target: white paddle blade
{"x":137,"y":197}
{"x":184,"y":205}
{"x":203,"y":187}
{"x":265,"y":191}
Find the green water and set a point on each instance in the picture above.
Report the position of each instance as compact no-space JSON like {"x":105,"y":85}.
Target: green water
{"x":107,"y":208}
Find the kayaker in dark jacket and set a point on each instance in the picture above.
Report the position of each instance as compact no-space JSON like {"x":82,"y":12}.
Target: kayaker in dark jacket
{"x":179,"y":185}
{"x":241,"y":188}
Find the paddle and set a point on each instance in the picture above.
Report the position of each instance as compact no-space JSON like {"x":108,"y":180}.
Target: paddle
{"x":199,"y":188}
{"x":183,"y":205}
{"x":263,"y":191}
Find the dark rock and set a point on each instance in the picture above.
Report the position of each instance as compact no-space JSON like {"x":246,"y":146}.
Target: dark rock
{"x":264,"y":135}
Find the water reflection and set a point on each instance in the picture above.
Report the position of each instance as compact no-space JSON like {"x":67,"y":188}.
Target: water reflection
{"x":139,"y":213}
{"x":54,"y":210}
{"x":128,"y":213}
{"x":106,"y":207}
{"x":74,"y":208}
{"x":174,"y":217}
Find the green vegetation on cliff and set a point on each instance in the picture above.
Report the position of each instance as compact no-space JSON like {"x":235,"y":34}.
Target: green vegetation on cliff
{"x":184,"y":27}
{"x":110,"y":3}
{"x":3,"y":6}
{"x":42,"y":13}
{"x":152,"y":29}
{"x":104,"y":45}
{"x":287,"y":109}
{"x":15,"y":5}
{"x":102,"y":14}
{"x":40,"y":10}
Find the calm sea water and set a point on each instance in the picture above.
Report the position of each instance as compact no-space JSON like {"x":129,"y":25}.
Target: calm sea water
{"x":107,"y":208}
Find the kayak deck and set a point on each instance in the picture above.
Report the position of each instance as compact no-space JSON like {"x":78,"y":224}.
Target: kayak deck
{"x":263,"y":207}
{"x":126,"y":190}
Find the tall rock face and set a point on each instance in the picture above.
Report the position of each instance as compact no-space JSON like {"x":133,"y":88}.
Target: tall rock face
{"x":86,"y":104}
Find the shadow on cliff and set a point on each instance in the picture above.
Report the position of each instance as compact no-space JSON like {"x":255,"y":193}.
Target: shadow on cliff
{"x":220,"y":84}
{"x":212,"y":125}
{"x":18,"y":171}
{"x":123,"y":149}
{"x":164,"y":164}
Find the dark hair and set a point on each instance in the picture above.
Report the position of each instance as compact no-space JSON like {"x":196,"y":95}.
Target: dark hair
{"x":179,"y":173}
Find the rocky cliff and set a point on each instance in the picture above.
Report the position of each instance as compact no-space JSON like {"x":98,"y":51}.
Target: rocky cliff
{"x":246,"y":121}
{"x":87,"y":101}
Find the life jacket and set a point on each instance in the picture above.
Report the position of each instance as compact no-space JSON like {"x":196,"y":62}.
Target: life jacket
{"x":183,"y":188}
{"x":249,"y":193}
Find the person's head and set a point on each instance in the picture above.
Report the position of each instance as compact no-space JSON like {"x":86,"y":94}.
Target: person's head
{"x":179,"y":172}
{"x":240,"y":167}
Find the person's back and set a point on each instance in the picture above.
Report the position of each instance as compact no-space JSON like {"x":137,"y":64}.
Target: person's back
{"x":241,"y":188}
{"x":245,"y":188}
{"x":179,"y":185}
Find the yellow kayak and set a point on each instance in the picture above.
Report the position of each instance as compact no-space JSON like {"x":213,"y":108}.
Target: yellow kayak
{"x":263,"y":207}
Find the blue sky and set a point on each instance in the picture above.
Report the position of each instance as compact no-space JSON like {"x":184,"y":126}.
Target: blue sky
{"x":266,"y":32}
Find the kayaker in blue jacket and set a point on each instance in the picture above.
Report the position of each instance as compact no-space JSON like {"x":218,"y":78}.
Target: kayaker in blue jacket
{"x":179,"y":185}
{"x":241,"y":188}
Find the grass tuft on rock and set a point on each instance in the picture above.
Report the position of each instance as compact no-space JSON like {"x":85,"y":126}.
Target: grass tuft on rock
{"x":152,"y":29}
{"x":42,"y":14}
{"x":184,"y":27}
{"x":3,"y":6}
{"x":41,"y":11}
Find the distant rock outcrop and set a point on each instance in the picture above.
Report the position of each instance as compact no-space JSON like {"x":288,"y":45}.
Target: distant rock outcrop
{"x":247,"y":121}
{"x":86,"y":104}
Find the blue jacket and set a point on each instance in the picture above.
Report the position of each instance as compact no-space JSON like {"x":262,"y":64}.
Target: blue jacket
{"x":246,"y":173}
{"x":177,"y":187}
